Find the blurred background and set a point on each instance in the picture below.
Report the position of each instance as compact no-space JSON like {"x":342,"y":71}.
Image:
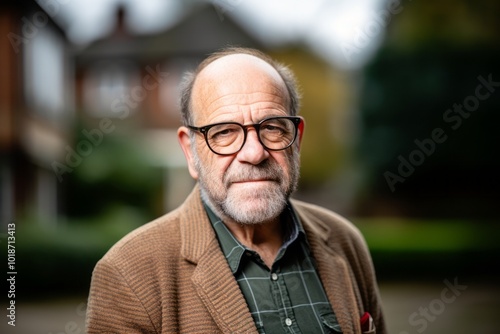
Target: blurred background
{"x":402,"y":105}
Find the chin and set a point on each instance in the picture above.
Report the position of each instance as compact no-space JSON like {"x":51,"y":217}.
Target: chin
{"x":254,"y":208}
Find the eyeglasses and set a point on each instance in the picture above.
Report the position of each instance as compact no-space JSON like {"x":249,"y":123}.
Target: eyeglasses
{"x":274,"y":133}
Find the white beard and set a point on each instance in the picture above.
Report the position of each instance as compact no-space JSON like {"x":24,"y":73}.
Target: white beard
{"x":250,"y":203}
{"x":250,"y":206}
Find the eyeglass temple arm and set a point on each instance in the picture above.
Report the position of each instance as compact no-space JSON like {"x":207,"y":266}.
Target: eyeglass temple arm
{"x":301,"y":129}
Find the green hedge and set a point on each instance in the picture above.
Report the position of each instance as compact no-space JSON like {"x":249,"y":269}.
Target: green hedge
{"x":59,"y":261}
{"x":429,"y":249}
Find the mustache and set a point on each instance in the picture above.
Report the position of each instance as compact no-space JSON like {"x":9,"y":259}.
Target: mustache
{"x":264,"y":171}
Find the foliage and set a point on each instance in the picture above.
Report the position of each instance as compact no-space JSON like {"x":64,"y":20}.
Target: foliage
{"x":416,"y":249}
{"x":116,"y":173}
{"x":430,"y":61}
{"x":405,"y":97}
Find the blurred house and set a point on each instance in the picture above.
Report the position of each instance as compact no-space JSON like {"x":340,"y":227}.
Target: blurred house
{"x":36,"y":109}
{"x":126,"y":84}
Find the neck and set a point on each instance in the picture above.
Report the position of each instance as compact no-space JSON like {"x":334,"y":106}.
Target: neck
{"x":265,"y":238}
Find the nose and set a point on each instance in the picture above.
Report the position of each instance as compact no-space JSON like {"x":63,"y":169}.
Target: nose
{"x":252,"y":151}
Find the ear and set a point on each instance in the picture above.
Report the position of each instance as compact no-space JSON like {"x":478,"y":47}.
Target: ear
{"x":185,"y":142}
{"x":301,"y":130}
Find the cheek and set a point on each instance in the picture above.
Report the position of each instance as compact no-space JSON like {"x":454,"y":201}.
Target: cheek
{"x":283,"y":160}
{"x":215,"y":167}
{"x":222,"y":165}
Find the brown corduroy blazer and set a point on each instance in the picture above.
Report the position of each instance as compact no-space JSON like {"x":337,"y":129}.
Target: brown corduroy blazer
{"x":170,"y":276}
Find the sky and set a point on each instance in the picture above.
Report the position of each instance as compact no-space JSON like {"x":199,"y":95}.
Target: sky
{"x":344,"y":32}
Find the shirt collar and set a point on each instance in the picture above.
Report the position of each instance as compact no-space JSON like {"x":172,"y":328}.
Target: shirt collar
{"x":233,"y":250}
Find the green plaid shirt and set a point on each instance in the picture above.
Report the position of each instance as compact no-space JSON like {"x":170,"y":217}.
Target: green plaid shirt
{"x":288,"y":298}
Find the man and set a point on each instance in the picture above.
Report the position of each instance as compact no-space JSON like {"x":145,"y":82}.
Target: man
{"x":239,"y":256}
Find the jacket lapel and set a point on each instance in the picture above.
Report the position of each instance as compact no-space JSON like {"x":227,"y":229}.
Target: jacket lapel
{"x":221,"y":294}
{"x":214,"y":282}
{"x":334,"y":273}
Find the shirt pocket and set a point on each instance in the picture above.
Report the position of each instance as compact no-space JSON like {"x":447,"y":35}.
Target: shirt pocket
{"x":329,"y":321}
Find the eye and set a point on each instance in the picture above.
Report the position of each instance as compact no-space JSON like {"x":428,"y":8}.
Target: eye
{"x":223,"y":134}
{"x":277,"y":133}
{"x":276,"y":127}
{"x":272,"y":129}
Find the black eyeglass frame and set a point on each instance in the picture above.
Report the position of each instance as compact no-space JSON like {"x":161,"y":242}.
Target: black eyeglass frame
{"x":204,"y":131}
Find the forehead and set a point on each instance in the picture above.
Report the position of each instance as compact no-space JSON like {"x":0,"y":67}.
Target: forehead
{"x":244,"y":64}
{"x":235,"y":83}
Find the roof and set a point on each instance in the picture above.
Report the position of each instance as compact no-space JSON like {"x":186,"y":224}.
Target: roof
{"x":199,"y":32}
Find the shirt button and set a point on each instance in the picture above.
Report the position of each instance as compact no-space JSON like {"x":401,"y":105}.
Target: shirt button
{"x":288,"y":321}
{"x":274,"y":276}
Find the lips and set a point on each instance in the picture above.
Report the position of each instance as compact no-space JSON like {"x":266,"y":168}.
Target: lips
{"x":266,"y":172}
{"x":253,"y":180}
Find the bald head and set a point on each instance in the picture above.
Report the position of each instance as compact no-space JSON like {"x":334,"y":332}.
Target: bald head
{"x":236,"y":68}
{"x":234,"y":74}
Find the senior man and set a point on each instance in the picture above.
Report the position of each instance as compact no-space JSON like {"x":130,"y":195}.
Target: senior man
{"x":239,"y":256}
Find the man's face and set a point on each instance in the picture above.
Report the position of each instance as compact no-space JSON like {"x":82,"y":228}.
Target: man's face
{"x":252,"y":185}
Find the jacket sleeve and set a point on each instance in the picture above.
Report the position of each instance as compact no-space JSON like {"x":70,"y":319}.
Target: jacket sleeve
{"x":113,"y":307}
